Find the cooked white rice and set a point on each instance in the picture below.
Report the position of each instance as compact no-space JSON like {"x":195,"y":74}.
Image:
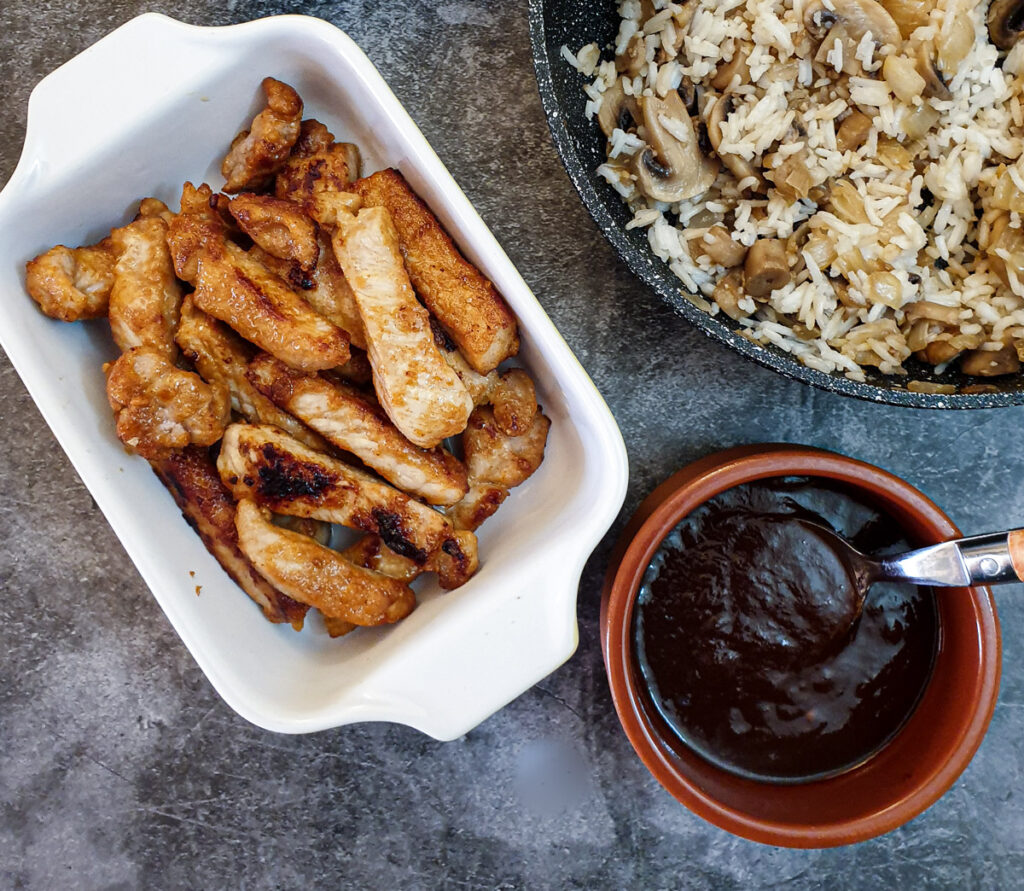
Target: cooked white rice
{"x":907,"y":242}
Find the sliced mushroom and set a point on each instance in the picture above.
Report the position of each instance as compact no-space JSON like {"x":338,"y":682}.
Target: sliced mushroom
{"x":672,"y":38}
{"x":618,"y":111}
{"x":718,"y":244}
{"x":934,"y":84}
{"x":990,"y":363}
{"x":858,"y":17}
{"x":952,"y":46}
{"x":909,"y":15}
{"x":737,"y":65}
{"x":1005,"y":250}
{"x":939,"y":351}
{"x":935,"y":312}
{"x":1005,"y":194}
{"x":904,"y":80}
{"x":1005,"y":22}
{"x":739,"y":167}
{"x":843,"y":294}
{"x":633,"y":58}
{"x":766,"y":268}
{"x":853,"y":132}
{"x":728,"y":293}
{"x":672,"y":168}
{"x":688,"y":93}
{"x":792,"y":178}
{"x":917,"y":120}
{"x":839,"y":34}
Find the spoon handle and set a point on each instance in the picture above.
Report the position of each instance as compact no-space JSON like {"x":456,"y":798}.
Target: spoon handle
{"x":997,"y":557}
{"x":1015,"y":544}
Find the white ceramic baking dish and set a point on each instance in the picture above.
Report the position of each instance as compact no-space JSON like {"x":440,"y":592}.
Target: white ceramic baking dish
{"x":153,"y":104}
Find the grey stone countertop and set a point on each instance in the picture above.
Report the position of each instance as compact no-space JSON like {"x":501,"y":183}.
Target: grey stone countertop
{"x":120,"y":767}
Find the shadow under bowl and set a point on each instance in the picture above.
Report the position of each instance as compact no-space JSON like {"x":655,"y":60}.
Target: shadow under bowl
{"x":901,"y":780}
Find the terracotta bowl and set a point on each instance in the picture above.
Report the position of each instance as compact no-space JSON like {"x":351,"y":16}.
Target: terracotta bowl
{"x":900,"y":781}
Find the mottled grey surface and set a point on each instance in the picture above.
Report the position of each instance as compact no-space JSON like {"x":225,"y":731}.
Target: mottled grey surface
{"x":119,"y":765}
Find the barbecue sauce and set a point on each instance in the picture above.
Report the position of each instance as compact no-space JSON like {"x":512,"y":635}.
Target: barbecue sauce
{"x":735,"y":633}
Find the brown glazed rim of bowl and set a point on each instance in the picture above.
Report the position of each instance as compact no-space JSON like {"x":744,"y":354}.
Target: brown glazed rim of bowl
{"x":911,"y":772}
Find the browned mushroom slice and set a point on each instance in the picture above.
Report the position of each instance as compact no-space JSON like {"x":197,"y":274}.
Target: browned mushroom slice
{"x":990,"y":363}
{"x":934,"y":84}
{"x":741,"y":168}
{"x":718,"y":244}
{"x":728,"y":293}
{"x":939,"y":351}
{"x":1005,"y":22}
{"x":766,"y":268}
{"x":618,"y":111}
{"x":1005,"y":250}
{"x":856,"y":17}
{"x":853,"y":132}
{"x":909,"y":15}
{"x":672,"y":167}
{"x":792,"y":178}
{"x":727,"y":71}
{"x":633,"y":58}
{"x":935,"y":312}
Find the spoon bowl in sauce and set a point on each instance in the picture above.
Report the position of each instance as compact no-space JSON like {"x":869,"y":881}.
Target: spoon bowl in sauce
{"x":993,"y":559}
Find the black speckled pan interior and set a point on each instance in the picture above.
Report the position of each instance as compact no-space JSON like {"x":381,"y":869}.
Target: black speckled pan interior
{"x":575,"y":23}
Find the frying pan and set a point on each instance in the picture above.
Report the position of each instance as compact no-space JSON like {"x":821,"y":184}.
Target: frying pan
{"x":581,"y":145}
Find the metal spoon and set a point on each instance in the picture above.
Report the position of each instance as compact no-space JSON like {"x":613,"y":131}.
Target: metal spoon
{"x":991,"y":559}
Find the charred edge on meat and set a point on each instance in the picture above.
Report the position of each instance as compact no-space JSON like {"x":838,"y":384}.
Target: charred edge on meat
{"x":283,"y":478}
{"x":394,"y":534}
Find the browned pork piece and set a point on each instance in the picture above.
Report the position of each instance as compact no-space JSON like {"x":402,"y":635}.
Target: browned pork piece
{"x":338,"y":627}
{"x":324,"y":288}
{"x":416,"y":387}
{"x":455,"y":292}
{"x":315,"y":575}
{"x":187,"y":231}
{"x":159,"y":408}
{"x":496,"y":462}
{"x":192,"y":479}
{"x":512,"y":393}
{"x":259,"y":152}
{"x":72,"y":283}
{"x":279,"y":227}
{"x":222,"y":358}
{"x":236,"y":289}
{"x":352,"y":422}
{"x":317,"y":164}
{"x":455,"y":562}
{"x":154,"y":207}
{"x":145,"y":297}
{"x":370,"y":552}
{"x":514,"y":401}
{"x":276,"y":471}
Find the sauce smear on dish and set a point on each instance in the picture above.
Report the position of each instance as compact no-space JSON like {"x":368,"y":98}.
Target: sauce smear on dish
{"x":742,"y":635}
